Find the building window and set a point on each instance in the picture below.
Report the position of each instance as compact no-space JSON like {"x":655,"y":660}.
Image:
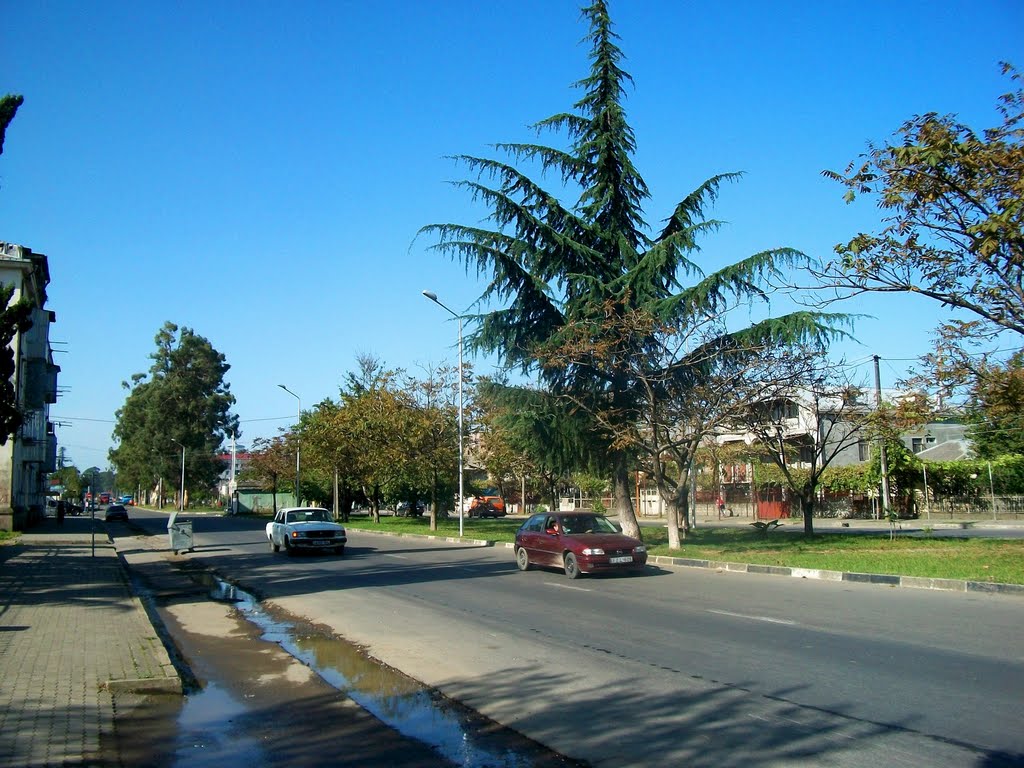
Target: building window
{"x":863,"y":451}
{"x":916,"y":444}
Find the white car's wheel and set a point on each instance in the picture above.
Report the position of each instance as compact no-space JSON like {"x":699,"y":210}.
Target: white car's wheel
{"x":274,"y":546}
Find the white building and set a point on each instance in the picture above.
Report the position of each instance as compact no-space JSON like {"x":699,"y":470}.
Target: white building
{"x":30,"y":455}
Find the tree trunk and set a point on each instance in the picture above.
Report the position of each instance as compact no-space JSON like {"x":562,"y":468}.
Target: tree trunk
{"x":677,"y":514}
{"x":807,"y":510}
{"x":623,"y":498}
{"x":433,"y":503}
{"x":337,"y":501}
{"x":672,"y":514}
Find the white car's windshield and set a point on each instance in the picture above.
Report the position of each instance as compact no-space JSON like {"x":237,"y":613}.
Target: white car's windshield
{"x":308,"y":515}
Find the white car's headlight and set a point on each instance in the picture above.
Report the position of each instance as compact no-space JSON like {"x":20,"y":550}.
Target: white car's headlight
{"x":593,"y":551}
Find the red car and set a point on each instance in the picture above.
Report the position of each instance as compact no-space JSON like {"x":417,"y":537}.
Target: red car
{"x":579,"y":542}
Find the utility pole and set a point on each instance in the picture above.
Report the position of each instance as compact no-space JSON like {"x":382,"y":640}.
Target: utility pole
{"x":231,"y":480}
{"x":881,"y":444}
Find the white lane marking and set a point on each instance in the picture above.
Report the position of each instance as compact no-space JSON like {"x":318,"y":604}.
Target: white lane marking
{"x":427,"y":565}
{"x":770,"y":620}
{"x":565,"y":586}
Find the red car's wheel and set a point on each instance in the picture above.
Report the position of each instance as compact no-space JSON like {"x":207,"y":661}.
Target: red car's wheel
{"x":522,"y":559}
{"x":572,"y":567}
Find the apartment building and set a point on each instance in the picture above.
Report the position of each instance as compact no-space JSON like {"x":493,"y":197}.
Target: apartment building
{"x":27,"y":458}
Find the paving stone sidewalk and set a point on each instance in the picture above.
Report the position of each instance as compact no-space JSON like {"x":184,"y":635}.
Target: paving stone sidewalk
{"x":72,"y":637}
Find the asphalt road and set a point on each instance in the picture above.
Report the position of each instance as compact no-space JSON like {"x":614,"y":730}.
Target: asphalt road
{"x":684,"y":666}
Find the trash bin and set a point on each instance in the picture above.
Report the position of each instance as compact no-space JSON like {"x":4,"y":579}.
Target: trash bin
{"x":180,"y":533}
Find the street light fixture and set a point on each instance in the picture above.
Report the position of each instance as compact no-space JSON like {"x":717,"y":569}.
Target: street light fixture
{"x":298,"y":417}
{"x":433,"y":297}
{"x":181,"y":501}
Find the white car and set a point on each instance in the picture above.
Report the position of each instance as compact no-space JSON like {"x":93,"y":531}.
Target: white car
{"x":305,"y":528}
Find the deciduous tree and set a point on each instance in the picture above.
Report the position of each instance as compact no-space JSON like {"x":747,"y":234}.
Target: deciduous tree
{"x":270,"y":460}
{"x":952,"y":201}
{"x":15,"y":318}
{"x":996,"y":408}
{"x":182,"y":401}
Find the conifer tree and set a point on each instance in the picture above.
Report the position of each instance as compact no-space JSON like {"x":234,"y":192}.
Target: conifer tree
{"x":556,"y":268}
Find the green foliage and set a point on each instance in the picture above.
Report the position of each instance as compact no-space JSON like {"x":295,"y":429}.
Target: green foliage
{"x":14,"y":319}
{"x":953,"y":205}
{"x":71,"y":479}
{"x":8,"y":109}
{"x":855,"y":478}
{"x":971,"y":477}
{"x":996,"y":408}
{"x":551,"y":439}
{"x":182,"y":401}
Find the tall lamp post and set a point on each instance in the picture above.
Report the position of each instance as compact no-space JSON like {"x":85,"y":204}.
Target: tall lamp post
{"x":298,"y":417}
{"x":433,"y":297}
{"x":181,"y":501}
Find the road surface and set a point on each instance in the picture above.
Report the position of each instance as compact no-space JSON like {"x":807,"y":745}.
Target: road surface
{"x":682,"y":667}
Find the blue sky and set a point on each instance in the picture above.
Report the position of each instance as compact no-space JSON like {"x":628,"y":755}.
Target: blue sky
{"x":257,"y":171}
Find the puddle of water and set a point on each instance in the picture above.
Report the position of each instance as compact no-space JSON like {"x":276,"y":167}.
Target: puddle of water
{"x":395,"y":699}
{"x":207,"y":736}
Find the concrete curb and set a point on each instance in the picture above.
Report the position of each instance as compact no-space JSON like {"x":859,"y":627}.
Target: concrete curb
{"x":912,"y":582}
{"x":169,"y":679}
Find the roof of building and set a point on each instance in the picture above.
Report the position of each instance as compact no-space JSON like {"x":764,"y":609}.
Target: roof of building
{"x":950,"y":450}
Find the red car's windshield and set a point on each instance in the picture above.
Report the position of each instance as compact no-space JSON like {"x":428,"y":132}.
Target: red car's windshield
{"x":587,"y":524}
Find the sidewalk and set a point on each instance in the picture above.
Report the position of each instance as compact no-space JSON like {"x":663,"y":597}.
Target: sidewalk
{"x":72,"y":637}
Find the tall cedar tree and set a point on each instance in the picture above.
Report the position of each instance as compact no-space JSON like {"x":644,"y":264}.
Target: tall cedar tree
{"x":557,"y":266}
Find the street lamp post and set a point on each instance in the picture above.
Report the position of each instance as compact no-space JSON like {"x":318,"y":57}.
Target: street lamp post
{"x":181,"y":501}
{"x":298,"y":417}
{"x":433,"y":297}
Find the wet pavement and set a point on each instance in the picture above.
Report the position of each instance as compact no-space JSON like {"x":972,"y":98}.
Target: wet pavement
{"x":268,"y":689}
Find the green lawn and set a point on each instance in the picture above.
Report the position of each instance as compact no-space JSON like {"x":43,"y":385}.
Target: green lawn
{"x":992,"y":560}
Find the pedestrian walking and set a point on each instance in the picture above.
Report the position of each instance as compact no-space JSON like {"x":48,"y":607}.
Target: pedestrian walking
{"x":721,"y":506}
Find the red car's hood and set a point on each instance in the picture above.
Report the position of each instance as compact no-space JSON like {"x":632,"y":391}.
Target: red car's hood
{"x":605,"y":541}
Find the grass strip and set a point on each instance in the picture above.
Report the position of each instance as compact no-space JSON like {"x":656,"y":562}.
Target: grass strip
{"x":973,"y":559}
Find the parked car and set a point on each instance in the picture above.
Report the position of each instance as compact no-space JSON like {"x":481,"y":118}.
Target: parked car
{"x":305,"y":529}
{"x":402,"y":509}
{"x":579,"y":542}
{"x":116,"y":512}
{"x":487,"y":506}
